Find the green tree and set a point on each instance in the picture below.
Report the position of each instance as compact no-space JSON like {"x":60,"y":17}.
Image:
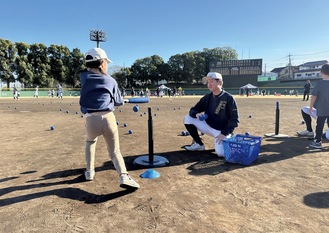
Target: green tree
{"x":122,"y":76}
{"x":164,"y":72}
{"x":58,"y":58}
{"x":36,"y":64}
{"x":189,"y":66}
{"x":176,"y":65}
{"x":146,"y":70}
{"x":140,"y":71}
{"x":156,"y":65}
{"x":219,"y":54}
{"x":23,"y":67}
{"x":7,"y":61}
{"x":74,"y":65}
{"x":39,"y":60}
{"x":201,"y":68}
{"x":154,"y":68}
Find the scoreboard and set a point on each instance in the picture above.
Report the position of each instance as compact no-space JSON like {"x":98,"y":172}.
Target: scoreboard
{"x":237,"y":67}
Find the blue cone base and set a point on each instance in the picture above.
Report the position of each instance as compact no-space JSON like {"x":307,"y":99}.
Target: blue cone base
{"x":150,"y":174}
{"x":158,"y":161}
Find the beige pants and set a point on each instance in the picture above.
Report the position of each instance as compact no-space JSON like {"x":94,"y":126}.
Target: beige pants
{"x":103,"y":123}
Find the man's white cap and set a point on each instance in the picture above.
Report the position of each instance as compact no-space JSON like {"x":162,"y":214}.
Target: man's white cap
{"x":96,"y":54}
{"x":212,"y":75}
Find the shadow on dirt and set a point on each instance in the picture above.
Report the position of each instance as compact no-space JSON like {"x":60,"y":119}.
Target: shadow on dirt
{"x":202,"y":163}
{"x":317,"y":200}
{"x":207,"y":162}
{"x":69,"y":193}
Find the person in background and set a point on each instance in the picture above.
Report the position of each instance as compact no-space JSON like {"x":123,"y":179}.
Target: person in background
{"x":132,"y":92}
{"x":59,"y":91}
{"x":307,"y":90}
{"x":15,"y":92}
{"x":123,"y":91}
{"x":36,"y":92}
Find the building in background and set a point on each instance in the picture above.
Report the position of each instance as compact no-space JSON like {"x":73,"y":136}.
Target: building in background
{"x":309,"y":70}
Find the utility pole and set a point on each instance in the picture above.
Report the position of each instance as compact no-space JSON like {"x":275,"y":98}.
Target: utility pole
{"x":98,"y":36}
{"x":265,"y":70}
{"x":289,"y":67}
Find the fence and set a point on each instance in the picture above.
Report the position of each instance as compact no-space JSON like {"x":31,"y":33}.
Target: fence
{"x":29,"y":92}
{"x":187,"y":91}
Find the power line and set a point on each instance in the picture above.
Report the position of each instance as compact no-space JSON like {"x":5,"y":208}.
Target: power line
{"x":300,"y":54}
{"x":278,"y":59}
{"x":311,"y":53}
{"x":295,"y":58}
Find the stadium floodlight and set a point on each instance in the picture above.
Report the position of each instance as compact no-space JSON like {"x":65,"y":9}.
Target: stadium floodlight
{"x":98,"y":36}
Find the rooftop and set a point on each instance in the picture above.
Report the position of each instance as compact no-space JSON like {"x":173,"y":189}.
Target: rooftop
{"x":315,"y":63}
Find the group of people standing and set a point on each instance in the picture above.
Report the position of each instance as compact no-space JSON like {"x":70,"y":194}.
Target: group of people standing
{"x":159,"y":92}
{"x":51,"y":93}
{"x":134,"y":93}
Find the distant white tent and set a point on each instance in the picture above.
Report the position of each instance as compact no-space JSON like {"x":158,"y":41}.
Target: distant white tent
{"x":163,"y":87}
{"x":248,"y":86}
{"x":163,"y":81}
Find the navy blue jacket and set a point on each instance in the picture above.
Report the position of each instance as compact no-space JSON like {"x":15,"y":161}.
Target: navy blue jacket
{"x":222,"y":111}
{"x":98,"y":92}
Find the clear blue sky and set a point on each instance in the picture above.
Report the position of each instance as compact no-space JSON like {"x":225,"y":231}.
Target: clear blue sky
{"x":268,"y":29}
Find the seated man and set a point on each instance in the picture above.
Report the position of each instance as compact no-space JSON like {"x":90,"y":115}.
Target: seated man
{"x":221,"y":113}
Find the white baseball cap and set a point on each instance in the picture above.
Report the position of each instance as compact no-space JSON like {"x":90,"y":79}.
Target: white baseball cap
{"x":96,"y":54}
{"x":212,"y":75}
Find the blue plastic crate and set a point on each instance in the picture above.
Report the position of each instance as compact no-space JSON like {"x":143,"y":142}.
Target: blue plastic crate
{"x":241,"y":149}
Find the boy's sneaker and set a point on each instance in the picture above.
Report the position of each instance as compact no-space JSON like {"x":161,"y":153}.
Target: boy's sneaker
{"x":127,"y":182}
{"x":195,"y":147}
{"x":306,"y":133}
{"x":89,"y":175}
{"x":315,"y":144}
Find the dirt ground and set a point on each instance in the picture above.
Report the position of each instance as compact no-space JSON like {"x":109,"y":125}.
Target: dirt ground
{"x":42,"y":188}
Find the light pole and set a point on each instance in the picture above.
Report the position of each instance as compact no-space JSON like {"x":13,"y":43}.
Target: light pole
{"x":98,"y":36}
